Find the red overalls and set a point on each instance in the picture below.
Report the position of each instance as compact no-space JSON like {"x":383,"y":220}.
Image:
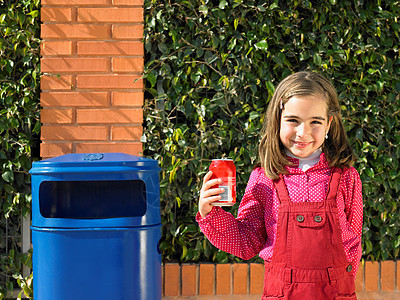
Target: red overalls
{"x":308,"y":262}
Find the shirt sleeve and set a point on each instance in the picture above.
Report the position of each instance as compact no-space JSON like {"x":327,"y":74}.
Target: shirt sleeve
{"x":353,"y":208}
{"x":245,"y":235}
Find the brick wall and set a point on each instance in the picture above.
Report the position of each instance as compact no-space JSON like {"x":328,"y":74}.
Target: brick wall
{"x":375,"y":280}
{"x":92,"y":61}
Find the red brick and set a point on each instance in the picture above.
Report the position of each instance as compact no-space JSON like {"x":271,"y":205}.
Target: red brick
{"x":240,"y":278}
{"x":110,"y":48}
{"x":74,"y":65}
{"x":49,"y":82}
{"x":360,"y":278}
{"x":189,"y":280}
{"x":206,"y":279}
{"x":60,"y":116}
{"x":128,"y":64}
{"x":60,"y":99}
{"x":387,"y":275}
{"x":127,"y":98}
{"x":112,"y":15}
{"x":128,"y":2}
{"x":48,"y":150}
{"x":109,"y":82}
{"x":116,"y":116}
{"x":49,"y":48}
{"x":75,"y":31}
{"x":128,"y":148}
{"x":398,"y":275}
{"x":126,"y":133}
{"x":74,"y":2}
{"x":256,"y":278}
{"x":127,"y":32}
{"x":56,"y":14}
{"x":223,"y":276}
{"x":171,"y":279}
{"x":371,"y":276}
{"x":162,"y":280}
{"x":74,"y":133}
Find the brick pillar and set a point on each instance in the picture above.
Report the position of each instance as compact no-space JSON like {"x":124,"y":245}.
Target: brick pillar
{"x":92,"y":61}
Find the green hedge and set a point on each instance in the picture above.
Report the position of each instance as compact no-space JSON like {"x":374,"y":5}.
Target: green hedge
{"x":211,"y":68}
{"x":19,"y":128}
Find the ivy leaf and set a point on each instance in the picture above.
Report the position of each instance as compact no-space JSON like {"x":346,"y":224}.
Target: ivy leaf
{"x":222,"y":4}
{"x":203,"y":9}
{"x":8,"y":176}
{"x":262,"y":45}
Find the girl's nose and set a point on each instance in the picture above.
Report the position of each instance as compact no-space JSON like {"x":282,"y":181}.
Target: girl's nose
{"x":302,"y":130}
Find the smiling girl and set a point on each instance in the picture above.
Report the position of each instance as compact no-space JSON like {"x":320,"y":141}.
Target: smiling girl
{"x":302,"y":208}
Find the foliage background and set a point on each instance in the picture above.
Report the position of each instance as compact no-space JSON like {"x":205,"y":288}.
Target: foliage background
{"x":211,"y":68}
{"x":19,"y":128}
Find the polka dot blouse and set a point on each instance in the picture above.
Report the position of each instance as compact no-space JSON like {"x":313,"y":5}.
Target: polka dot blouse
{"x":254,"y":230}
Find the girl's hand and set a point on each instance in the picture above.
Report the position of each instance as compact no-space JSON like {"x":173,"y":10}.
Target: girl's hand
{"x":208,"y":194}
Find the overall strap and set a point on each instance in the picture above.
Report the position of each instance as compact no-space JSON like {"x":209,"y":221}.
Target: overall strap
{"x":334,"y":184}
{"x":281,"y":190}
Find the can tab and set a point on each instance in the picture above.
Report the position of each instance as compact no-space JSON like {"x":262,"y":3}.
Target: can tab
{"x":93,"y":156}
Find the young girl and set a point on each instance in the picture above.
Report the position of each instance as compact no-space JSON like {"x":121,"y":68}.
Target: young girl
{"x":302,"y":209}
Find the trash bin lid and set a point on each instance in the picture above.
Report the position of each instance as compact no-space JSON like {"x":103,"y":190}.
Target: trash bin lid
{"x":90,"y":162}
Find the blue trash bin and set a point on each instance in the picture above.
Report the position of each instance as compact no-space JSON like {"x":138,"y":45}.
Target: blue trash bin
{"x":96,"y":226}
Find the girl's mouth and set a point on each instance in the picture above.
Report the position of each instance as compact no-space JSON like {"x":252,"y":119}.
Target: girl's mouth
{"x":301,"y":144}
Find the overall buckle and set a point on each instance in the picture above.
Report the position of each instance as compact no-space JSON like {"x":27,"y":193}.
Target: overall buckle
{"x":288,"y":275}
{"x":331,"y":275}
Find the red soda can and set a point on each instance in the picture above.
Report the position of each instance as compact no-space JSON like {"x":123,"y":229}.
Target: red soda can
{"x":225,"y":170}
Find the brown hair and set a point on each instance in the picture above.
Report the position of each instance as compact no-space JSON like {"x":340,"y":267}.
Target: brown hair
{"x":336,"y":147}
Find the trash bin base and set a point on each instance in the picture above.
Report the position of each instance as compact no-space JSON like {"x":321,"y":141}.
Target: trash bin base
{"x":97,"y":263}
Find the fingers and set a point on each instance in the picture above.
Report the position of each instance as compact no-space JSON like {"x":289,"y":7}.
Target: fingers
{"x":206,"y":200}
{"x":209,"y":193}
{"x":212,"y":194}
{"x":207,"y":177}
{"x":207,"y":183}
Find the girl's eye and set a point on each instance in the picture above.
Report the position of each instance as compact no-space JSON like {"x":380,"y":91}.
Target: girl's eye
{"x":291,"y":120}
{"x":316,"y":122}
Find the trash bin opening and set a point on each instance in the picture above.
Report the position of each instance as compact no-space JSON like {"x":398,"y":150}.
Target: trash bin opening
{"x":92,"y":199}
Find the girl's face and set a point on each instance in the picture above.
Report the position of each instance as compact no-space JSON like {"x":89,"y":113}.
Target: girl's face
{"x":304,"y":124}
